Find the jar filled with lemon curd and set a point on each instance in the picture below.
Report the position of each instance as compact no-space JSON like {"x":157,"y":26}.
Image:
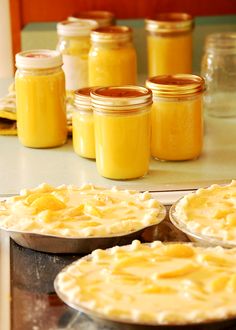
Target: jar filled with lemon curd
{"x":177,"y":125}
{"x":83,"y":124}
{"x":169,"y":43}
{"x":122,"y":131}
{"x":40,"y":99}
{"x":112,"y":57}
{"x":74,"y":45}
{"x":102,"y":17}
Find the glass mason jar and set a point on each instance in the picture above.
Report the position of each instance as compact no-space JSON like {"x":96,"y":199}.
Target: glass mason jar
{"x":122,"y":131}
{"x":177,"y":125}
{"x":169,"y":43}
{"x":74,"y":45}
{"x":102,"y":17}
{"x":40,"y":99}
{"x":219,"y":71}
{"x":83,"y":124}
{"x":112,"y":57}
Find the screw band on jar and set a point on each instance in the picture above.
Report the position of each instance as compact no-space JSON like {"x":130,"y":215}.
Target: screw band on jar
{"x":221,"y":42}
{"x":120,"y":99}
{"x":179,"y":85}
{"x":103,"y":18}
{"x":82,"y":98}
{"x":111,"y":34}
{"x":170,"y":23}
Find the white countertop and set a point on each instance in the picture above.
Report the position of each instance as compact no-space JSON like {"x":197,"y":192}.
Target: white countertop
{"x":22,"y":167}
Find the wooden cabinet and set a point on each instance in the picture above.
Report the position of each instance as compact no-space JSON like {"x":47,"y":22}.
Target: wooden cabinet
{"x":27,"y":11}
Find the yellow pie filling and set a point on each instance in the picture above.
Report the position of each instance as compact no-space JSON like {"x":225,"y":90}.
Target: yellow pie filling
{"x":210,"y":212}
{"x":153,"y":284}
{"x":85,"y":211}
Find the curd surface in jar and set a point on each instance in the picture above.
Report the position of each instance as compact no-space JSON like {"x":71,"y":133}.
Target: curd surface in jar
{"x":169,"y":55}
{"x":40,"y":101}
{"x":83,"y":124}
{"x":122,"y":145}
{"x":122,"y":131}
{"x":169,"y":44}
{"x":74,"y":45}
{"x":177,"y":131}
{"x":177,"y":124}
{"x":83,"y":134}
{"x":112,"y":62}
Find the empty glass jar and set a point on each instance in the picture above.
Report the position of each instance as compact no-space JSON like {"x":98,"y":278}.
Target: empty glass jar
{"x":219,"y":70}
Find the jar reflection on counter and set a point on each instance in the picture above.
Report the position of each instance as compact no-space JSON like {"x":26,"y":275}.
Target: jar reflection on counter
{"x":122,"y":131}
{"x":112,"y":57}
{"x":177,"y":126}
{"x":74,"y":45}
{"x":218,"y":68}
{"x":40,"y":99}
{"x":169,"y":43}
{"x":83,"y":124}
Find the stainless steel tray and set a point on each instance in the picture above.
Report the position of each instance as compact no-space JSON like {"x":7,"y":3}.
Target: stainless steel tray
{"x":81,"y":245}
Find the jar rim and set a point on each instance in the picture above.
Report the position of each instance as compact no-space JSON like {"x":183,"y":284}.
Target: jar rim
{"x":111,"y":33}
{"x":38,"y":59}
{"x":221,"y":41}
{"x":102,"y":17}
{"x":78,"y":27}
{"x":120,"y":98}
{"x":178,"y":85}
{"x":169,"y":22}
{"x":82,"y":98}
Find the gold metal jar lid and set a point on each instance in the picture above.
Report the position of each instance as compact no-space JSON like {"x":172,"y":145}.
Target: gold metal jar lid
{"x":120,"y":99}
{"x":111,"y":34}
{"x":102,"y":17}
{"x":82,"y":98}
{"x":178,"y":85}
{"x":224,"y":42}
{"x":170,"y":23}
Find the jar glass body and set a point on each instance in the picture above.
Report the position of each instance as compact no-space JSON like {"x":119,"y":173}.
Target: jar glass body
{"x":218,"y":68}
{"x":177,"y":128}
{"x":123,"y":143}
{"x":169,"y":53}
{"x":112,"y":64}
{"x":74,"y":50}
{"x":83,"y":133}
{"x":40,"y":102}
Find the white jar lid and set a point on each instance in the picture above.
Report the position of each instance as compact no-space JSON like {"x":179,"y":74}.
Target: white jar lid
{"x":80,"y":27}
{"x":38,"y":59}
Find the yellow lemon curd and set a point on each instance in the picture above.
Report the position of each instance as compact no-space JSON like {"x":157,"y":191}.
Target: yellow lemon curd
{"x":122,"y":144}
{"x":169,"y":54}
{"x":111,"y":66}
{"x":177,"y":129}
{"x":86,"y":211}
{"x":153,"y":284}
{"x":112,"y":57}
{"x":41,"y":116}
{"x":83,"y":134}
{"x":210,"y":212}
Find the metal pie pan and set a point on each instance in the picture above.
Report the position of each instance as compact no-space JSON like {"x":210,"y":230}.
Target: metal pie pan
{"x":117,"y":324}
{"x":80,"y":245}
{"x":202,"y":240}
